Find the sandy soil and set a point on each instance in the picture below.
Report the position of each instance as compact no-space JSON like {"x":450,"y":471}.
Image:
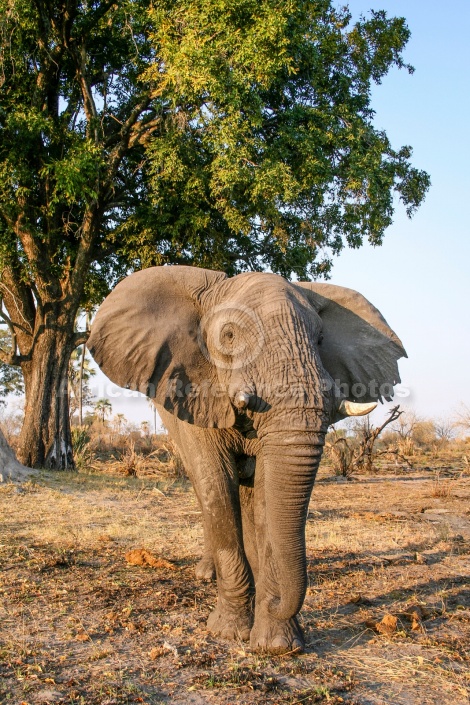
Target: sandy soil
{"x":386,"y":617}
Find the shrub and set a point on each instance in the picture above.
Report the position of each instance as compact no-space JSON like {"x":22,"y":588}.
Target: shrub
{"x":82,"y":451}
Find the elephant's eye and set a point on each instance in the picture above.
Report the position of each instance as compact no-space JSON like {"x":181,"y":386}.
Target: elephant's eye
{"x":227,"y":334}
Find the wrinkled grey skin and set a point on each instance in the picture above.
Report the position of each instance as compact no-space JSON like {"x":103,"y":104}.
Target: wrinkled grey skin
{"x":247,"y":373}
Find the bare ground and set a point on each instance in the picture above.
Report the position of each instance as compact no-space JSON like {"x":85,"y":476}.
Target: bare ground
{"x":386,"y":617}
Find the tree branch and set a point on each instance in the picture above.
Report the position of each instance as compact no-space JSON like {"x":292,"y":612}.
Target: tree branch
{"x":51,"y":52}
{"x":19,"y":302}
{"x":393,"y":415}
{"x":12,"y":330}
{"x":80,"y":337}
{"x":37,"y":257}
{"x":88,"y":100}
{"x":141,"y":131}
{"x":73,"y":281}
{"x":125,"y":135}
{"x":98,"y":15}
{"x":10,"y":359}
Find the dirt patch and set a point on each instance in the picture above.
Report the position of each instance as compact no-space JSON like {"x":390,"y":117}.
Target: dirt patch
{"x":386,"y":617}
{"x":140,"y":556}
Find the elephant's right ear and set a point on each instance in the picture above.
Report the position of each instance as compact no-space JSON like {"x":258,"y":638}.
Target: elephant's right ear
{"x":145,"y":337}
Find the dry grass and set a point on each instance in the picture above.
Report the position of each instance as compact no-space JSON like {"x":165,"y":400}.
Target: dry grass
{"x":79,"y":625}
{"x":442,"y":488}
{"x":159,"y":459}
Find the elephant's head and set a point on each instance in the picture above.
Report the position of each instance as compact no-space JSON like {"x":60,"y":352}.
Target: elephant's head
{"x":290,"y":358}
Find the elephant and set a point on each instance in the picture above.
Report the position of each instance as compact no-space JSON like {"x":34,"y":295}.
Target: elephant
{"x":247,"y":373}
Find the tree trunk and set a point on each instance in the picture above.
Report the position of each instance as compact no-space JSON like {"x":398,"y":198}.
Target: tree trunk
{"x":45,"y":439}
{"x":80,"y":387}
{"x":10,"y":468}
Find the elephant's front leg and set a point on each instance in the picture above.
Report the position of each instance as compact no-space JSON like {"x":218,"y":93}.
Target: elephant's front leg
{"x":212,"y":470}
{"x":269,"y":633}
{"x":232,"y":616}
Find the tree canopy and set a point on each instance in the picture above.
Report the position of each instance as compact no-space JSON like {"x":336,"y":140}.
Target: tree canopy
{"x":226,"y":134}
{"x":271,"y":158}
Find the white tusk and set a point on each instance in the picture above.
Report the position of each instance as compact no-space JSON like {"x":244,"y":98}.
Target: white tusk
{"x":241,"y":400}
{"x":352,"y":408}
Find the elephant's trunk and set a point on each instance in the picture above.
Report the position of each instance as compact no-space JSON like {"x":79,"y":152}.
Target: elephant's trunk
{"x":290,"y":465}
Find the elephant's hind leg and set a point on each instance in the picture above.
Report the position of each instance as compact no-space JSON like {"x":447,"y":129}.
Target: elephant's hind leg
{"x":205,"y":567}
{"x":249,"y":531}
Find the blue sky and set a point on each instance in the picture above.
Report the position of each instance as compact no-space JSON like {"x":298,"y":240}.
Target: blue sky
{"x":419,"y":278}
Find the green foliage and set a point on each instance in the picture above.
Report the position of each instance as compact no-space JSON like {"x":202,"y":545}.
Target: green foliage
{"x":254,"y":144}
{"x":80,"y":438}
{"x":103,"y":408}
{"x":82,"y":451}
{"x":69,"y":80}
{"x":271,"y":159}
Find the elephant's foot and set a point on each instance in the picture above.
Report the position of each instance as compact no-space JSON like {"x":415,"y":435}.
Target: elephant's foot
{"x":230,"y":623}
{"x":277,"y":636}
{"x":205,"y":569}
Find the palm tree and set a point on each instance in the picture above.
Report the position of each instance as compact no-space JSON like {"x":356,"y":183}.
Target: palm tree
{"x":119,"y":421}
{"x":80,"y":371}
{"x":103,"y":408}
{"x":81,"y":375}
{"x":154,"y":410}
{"x":145,"y":428}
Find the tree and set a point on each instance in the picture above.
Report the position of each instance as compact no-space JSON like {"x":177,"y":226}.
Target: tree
{"x":367,"y":437}
{"x":145,"y":429}
{"x":444,"y":430}
{"x":103,"y":408}
{"x":406,"y":424}
{"x":119,"y":423}
{"x":462,"y":418}
{"x":423,"y":434}
{"x":154,"y":412}
{"x":61,"y":166}
{"x":348,"y":455}
{"x":230,"y":135}
{"x":80,"y":372}
{"x":11,"y":379}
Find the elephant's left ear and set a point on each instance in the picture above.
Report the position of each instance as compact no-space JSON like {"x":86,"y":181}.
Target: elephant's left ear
{"x":358,"y":348}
